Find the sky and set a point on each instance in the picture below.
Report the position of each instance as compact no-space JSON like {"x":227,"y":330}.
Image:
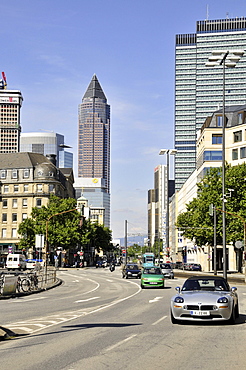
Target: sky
{"x":50,"y":49}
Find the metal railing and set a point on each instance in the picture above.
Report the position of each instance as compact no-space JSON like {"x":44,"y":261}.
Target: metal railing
{"x":12,"y":283}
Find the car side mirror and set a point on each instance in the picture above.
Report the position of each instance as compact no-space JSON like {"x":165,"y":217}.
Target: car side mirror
{"x":178,"y":289}
{"x":233,"y":289}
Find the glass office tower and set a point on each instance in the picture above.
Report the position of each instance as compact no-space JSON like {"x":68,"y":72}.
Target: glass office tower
{"x":199,"y":90}
{"x":94,"y":134}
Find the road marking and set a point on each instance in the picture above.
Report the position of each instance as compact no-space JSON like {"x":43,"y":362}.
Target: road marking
{"x":157,"y":322}
{"x":156,"y":299}
{"x":23,"y":300}
{"x":86,"y":300}
{"x":121,"y":342}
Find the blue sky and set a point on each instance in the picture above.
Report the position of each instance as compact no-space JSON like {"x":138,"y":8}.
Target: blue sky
{"x":50,"y":50}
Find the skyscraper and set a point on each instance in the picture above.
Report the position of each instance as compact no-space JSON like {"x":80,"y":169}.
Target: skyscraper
{"x":94,"y":148}
{"x":94,"y":134}
{"x":10,"y":104}
{"x":198,"y":89}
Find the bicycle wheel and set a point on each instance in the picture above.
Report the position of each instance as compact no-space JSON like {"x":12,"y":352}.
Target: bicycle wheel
{"x":25,"y":285}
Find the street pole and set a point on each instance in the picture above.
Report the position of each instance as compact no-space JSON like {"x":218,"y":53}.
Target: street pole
{"x":215,"y":243}
{"x":223,"y":174}
{"x":126,"y":240}
{"x":229,"y":59}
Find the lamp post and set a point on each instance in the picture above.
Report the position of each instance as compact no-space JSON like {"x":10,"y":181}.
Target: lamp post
{"x":224,"y":58}
{"x":167,"y":152}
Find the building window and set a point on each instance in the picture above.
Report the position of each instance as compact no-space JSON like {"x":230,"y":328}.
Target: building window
{"x":3,"y":174}
{"x":14,"y":174}
{"x":38,"y":202}
{"x":39,"y":188}
{"x":14,"y":203}
{"x":212,"y":155}
{"x":219,"y":121}
{"x":51,"y":188}
{"x":24,"y":202}
{"x":24,"y":216}
{"x":237,"y":136}
{"x":16,"y":188}
{"x":4,"y":217}
{"x":243,"y":152}
{"x":240,"y":118}
{"x":26,"y":188}
{"x":4,"y":233}
{"x":216,"y":138}
{"x":26,"y":173}
{"x":5,"y":188}
{"x":14,"y":233}
{"x":234,"y":154}
{"x":5,"y":203}
{"x":14,"y":217}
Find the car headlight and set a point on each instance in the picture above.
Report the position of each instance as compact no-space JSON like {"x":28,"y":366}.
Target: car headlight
{"x":222,"y":300}
{"x":179,"y":300}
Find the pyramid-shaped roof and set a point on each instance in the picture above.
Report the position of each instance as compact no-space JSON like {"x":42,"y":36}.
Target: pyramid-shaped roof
{"x":94,"y":90}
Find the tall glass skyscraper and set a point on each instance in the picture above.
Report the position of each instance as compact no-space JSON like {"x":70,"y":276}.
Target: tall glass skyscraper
{"x":198,"y":89}
{"x":94,"y":134}
{"x":94,"y":149}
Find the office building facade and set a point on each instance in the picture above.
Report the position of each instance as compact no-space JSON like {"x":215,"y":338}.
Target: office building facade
{"x":94,"y":134}
{"x":94,"y":149}
{"x":199,"y":90}
{"x":10,"y":128}
{"x":47,"y":143}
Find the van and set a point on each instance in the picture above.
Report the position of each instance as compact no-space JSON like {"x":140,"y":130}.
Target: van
{"x":16,"y":261}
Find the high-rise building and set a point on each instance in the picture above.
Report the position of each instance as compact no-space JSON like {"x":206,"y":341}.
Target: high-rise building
{"x":10,"y":128}
{"x":47,"y":143}
{"x":198,"y":89}
{"x":94,"y":147}
{"x":94,"y":134}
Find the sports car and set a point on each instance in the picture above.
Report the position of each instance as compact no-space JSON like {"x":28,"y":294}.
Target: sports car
{"x":152,"y":277}
{"x":205,"y":298}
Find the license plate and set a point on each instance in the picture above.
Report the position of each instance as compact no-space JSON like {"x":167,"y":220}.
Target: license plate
{"x":153,"y":283}
{"x":200,"y":313}
{"x":134,"y":274}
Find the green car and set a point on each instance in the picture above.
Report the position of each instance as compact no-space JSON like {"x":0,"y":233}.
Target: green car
{"x":152,"y":277}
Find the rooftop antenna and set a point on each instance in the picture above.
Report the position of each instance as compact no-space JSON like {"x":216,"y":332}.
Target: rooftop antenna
{"x":227,"y":15}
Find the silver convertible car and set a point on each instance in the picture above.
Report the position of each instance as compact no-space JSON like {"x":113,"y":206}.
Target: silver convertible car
{"x":205,"y":298}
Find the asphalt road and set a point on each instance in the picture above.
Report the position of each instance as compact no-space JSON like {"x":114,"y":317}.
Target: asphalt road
{"x":96,"y":319}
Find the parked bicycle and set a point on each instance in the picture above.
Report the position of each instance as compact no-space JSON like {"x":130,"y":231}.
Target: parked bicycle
{"x":27,"y":283}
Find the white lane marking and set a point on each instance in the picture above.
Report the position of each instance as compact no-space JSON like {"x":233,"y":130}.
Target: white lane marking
{"x":157,"y":322}
{"x":109,"y":280}
{"x":75,"y":281}
{"x":73,"y":315}
{"x":121,"y":342}
{"x":156,"y":299}
{"x":85,"y":300}
{"x":23,"y":300}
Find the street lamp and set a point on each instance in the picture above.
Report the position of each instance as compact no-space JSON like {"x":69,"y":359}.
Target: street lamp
{"x":224,"y":58}
{"x":167,"y":152}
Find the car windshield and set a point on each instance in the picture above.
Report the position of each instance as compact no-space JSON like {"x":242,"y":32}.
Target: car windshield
{"x":132,"y":267}
{"x":165,"y":266}
{"x":205,"y":284}
{"x":153,"y":271}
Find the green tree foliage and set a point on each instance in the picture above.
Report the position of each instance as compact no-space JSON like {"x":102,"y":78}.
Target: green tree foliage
{"x":62,"y":222}
{"x":196,"y":222}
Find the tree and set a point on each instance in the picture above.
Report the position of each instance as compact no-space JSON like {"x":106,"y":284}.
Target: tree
{"x":197,"y":224}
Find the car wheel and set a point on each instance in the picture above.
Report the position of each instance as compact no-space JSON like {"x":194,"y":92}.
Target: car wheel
{"x":126,"y":277}
{"x":173,"y":320}
{"x":142,"y":286}
{"x":232,"y":319}
{"x":163,"y":286}
{"x":237,"y":311}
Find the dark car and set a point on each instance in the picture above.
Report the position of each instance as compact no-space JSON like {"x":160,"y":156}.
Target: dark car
{"x":131,"y":270}
{"x":101,"y":263}
{"x":195,"y":267}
